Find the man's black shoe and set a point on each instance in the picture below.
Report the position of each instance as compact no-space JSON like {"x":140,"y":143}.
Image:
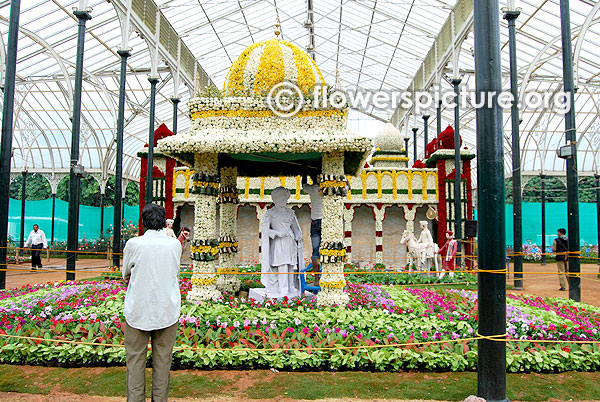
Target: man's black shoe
{"x":562,"y":289}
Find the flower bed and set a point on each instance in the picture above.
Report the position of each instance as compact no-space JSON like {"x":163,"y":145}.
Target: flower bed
{"x":380,"y":274}
{"x":436,"y":328}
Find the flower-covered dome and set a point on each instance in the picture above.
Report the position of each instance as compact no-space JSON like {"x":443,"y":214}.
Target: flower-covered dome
{"x":389,"y":151}
{"x":265,"y":64}
{"x":389,"y":138}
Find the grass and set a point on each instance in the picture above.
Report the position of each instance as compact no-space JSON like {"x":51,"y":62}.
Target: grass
{"x":263,"y":384}
{"x":102,"y":381}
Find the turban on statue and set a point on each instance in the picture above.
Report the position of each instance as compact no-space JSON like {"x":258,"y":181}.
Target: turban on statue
{"x":280,"y":195}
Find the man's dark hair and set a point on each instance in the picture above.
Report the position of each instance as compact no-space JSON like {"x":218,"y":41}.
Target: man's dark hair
{"x":154,"y":217}
{"x":562,"y":231}
{"x":36,"y":225}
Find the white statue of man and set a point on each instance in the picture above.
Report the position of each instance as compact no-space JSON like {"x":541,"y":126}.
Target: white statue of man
{"x":281,"y":248}
{"x":426,"y":240}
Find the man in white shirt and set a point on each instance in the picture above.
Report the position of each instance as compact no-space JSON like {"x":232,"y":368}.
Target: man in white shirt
{"x":152,"y":304}
{"x":37,"y":241}
{"x":316,"y":215}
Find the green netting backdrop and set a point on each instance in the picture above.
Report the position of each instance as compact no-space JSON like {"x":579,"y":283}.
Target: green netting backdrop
{"x":556,"y":217}
{"x":40,"y":212}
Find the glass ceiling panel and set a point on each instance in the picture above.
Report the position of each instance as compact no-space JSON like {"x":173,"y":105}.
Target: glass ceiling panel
{"x":375,"y":45}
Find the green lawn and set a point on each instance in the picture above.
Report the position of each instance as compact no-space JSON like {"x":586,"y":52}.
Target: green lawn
{"x":262,"y":384}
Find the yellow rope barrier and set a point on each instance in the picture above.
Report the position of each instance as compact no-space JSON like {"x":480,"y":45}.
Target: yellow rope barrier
{"x":494,"y":338}
{"x":60,"y":251}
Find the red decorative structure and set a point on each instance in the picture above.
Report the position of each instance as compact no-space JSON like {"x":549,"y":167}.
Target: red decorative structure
{"x":431,"y":148}
{"x":164,"y":195}
{"x":445,"y":139}
{"x":419,"y":165}
{"x":443,"y":159}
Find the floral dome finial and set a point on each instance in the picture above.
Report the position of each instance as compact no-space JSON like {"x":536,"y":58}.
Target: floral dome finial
{"x":338,"y":82}
{"x":277,"y":27}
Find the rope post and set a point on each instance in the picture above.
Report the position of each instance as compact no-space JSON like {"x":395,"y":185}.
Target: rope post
{"x":457,"y":172}
{"x":75,"y":174}
{"x":491,"y":373}
{"x":511,"y":16}
{"x":571,"y":162}
{"x":7,"y":131}
{"x":153,"y":81}
{"x":22,"y":236}
{"x":117,"y":203}
{"x":543,"y":185}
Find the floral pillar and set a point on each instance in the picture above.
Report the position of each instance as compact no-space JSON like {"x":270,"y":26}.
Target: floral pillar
{"x":348,"y":218}
{"x":205,"y":246}
{"x":332,"y":251}
{"x":379,"y":212}
{"x":228,"y":281}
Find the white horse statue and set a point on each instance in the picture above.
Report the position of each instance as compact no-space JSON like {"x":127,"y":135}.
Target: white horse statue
{"x":417,"y":251}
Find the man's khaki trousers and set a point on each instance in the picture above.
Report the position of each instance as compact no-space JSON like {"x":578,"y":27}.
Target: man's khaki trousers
{"x":136,"y":347}
{"x":562,"y":269}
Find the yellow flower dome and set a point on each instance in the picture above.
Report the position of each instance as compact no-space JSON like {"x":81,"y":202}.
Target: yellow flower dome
{"x":265,"y":64}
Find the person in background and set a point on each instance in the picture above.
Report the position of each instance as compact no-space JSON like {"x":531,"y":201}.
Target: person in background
{"x":152,"y":304}
{"x":561,"y":248}
{"x":37,"y":241}
{"x":316,"y":215}
{"x":450,"y":248}
{"x":169,"y":229}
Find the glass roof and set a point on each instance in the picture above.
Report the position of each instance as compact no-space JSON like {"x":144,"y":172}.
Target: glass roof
{"x":374,"y":45}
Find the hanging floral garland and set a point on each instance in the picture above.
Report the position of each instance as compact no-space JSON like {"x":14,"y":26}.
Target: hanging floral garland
{"x":204,"y":250}
{"x":205,"y":184}
{"x":227,"y":245}
{"x":333,"y":184}
{"x":332,"y":252}
{"x":228,"y":195}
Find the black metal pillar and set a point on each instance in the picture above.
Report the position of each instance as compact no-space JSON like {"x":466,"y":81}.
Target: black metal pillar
{"x":23,"y":185}
{"x":425,"y":131}
{"x":511,"y":16}
{"x":7,"y":122}
{"x":543,"y":197}
{"x":175,"y":103}
{"x":457,"y":171}
{"x":101,"y":215}
{"x":414,"y":130}
{"x":73,"y":229}
{"x":491,"y":373}
{"x":597,"y":176}
{"x":406,"y":139}
{"x":53,"y":215}
{"x":438,"y":117}
{"x":571,"y":140}
{"x":119,"y":162}
{"x":153,"y":82}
